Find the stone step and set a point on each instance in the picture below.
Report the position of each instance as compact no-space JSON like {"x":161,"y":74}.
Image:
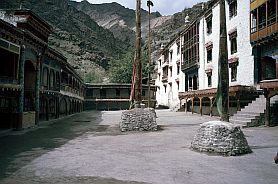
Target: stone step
{"x":244,"y":118}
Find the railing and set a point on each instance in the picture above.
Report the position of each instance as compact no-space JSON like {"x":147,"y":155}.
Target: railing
{"x":190,"y":63}
{"x":263,"y":32}
{"x":8,"y":80}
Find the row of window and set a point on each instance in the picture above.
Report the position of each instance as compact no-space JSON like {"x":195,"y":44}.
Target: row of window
{"x":233,"y":46}
{"x":232,"y":13}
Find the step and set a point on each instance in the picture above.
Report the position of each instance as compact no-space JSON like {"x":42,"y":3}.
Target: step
{"x":244,"y":117}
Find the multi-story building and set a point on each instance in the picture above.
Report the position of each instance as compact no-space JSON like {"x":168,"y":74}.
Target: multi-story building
{"x":168,"y":79}
{"x":204,"y":45}
{"x":36,"y":82}
{"x":264,"y":40}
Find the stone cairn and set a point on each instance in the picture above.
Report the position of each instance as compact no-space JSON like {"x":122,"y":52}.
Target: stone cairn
{"x":220,"y":138}
{"x":138,"y":119}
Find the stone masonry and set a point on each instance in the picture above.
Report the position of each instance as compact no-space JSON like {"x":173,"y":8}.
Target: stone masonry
{"x":138,"y":119}
{"x":221,"y":138}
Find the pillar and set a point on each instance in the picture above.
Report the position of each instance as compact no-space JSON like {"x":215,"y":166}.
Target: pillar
{"x":192,"y":105}
{"x":21,"y":83}
{"x":201,"y":107}
{"x":37,"y":89}
{"x":267,"y":109}
{"x":210,"y":106}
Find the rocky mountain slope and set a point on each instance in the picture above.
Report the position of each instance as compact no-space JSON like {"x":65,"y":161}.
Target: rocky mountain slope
{"x":87,"y":45}
{"x":116,"y":18}
{"x":90,"y":35}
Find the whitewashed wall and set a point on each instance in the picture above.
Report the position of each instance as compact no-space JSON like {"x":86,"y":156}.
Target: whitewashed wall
{"x":241,"y":22}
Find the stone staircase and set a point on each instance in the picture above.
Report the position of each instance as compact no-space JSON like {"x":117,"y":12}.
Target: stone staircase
{"x":253,"y":114}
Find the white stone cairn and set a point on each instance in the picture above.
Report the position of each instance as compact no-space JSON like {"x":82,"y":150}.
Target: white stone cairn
{"x":138,"y":119}
{"x":220,"y":138}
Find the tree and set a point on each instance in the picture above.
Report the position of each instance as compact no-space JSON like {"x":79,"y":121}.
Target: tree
{"x":120,"y":71}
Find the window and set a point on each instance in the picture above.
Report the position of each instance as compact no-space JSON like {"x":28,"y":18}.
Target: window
{"x":209,"y":80}
{"x":143,"y":93}
{"x":254,"y":21}
{"x":178,"y":85}
{"x":271,"y":10}
{"x":233,"y":8}
{"x":233,"y":73}
{"x":159,"y":62}
{"x":178,"y":69}
{"x":165,"y":88}
{"x":233,"y":41}
{"x":102,"y":93}
{"x":170,"y":71}
{"x":171,"y":56}
{"x":209,"y":24}
{"x":118,"y":92}
{"x":209,"y":55}
{"x":178,"y":50}
{"x":262,"y":16}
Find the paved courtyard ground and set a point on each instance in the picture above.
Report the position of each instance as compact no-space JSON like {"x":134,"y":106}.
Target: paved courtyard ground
{"x":89,"y":148}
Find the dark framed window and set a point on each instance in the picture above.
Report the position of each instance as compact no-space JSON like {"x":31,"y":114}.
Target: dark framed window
{"x":178,"y":69}
{"x":209,"y":55}
{"x":233,"y":8}
{"x":209,"y":24}
{"x":233,"y":41}
{"x":118,"y":92}
{"x":209,"y":80}
{"x":170,"y":71}
{"x":234,"y":73}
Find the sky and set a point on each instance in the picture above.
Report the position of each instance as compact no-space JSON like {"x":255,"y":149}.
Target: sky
{"x":165,"y":7}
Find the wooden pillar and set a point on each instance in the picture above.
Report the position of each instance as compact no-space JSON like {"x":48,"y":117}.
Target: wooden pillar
{"x":21,"y":83}
{"x":47,"y":109}
{"x":238,"y":103}
{"x":201,"y":107}
{"x":210,"y":106}
{"x":57,"y":107}
{"x":138,"y":64}
{"x":185,"y":108}
{"x":37,"y":89}
{"x":267,"y":109}
{"x":192,"y":105}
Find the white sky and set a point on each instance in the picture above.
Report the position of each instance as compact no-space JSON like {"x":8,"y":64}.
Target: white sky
{"x":165,"y":7}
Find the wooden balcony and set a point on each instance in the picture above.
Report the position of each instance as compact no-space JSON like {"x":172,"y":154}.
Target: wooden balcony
{"x":193,"y":63}
{"x":256,"y":3}
{"x":264,"y":32}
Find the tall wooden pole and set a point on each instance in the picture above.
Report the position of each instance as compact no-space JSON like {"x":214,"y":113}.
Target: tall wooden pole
{"x":149,"y":4}
{"x":138,"y":64}
{"x":223,"y":71}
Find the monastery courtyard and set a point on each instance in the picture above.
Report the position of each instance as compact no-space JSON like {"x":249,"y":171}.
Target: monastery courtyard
{"x":89,"y":148}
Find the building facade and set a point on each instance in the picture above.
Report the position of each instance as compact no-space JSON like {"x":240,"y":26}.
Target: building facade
{"x":114,"y":96}
{"x":198,"y":60}
{"x":36,"y":82}
{"x":264,"y":40}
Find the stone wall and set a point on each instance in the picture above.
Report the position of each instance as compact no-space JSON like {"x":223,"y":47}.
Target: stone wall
{"x":220,"y":138}
{"x":138,"y":119}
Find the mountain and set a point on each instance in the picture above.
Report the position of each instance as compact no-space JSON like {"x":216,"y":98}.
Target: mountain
{"x":87,"y":45}
{"x":121,"y":21}
{"x":169,"y":29}
{"x":116,"y":18}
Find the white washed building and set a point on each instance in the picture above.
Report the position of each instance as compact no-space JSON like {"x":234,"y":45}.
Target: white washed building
{"x":169,"y":75}
{"x":196,"y":82}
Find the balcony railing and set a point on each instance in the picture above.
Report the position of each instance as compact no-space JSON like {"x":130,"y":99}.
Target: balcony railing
{"x":263,"y":32}
{"x":8,"y":80}
{"x":190,"y":64}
